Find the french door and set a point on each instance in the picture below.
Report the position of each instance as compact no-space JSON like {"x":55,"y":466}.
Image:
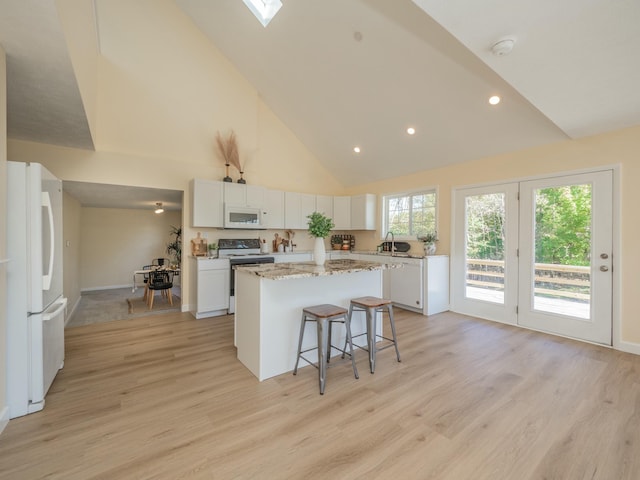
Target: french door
{"x":543,"y":261}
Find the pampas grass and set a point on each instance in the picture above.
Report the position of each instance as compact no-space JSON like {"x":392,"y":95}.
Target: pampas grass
{"x":228,"y":148}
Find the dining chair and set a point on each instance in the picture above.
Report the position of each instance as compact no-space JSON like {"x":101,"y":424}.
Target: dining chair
{"x":160,"y":261}
{"x":160,"y":280}
{"x":145,"y":279}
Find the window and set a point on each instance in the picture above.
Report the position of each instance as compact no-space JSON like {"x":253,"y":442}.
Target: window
{"x":410,"y":215}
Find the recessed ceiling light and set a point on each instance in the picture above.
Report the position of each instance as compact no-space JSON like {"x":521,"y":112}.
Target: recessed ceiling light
{"x":264,"y":10}
{"x":411,"y":130}
{"x":494,"y":100}
{"x":356,"y":149}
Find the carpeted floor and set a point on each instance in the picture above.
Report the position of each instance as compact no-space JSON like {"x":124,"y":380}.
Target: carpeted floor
{"x":114,"y":304}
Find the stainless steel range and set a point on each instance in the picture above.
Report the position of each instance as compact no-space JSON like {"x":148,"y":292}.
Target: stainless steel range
{"x":240,"y":252}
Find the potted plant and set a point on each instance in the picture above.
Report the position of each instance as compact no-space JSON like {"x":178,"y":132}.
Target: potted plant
{"x":213,"y":249}
{"x":319,"y":227}
{"x":175,"y":247}
{"x":429,"y":240}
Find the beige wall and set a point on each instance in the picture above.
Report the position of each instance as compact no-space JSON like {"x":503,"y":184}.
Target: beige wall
{"x":114,"y":242}
{"x":158,"y":107}
{"x":71,"y":251}
{"x":3,"y":235}
{"x":615,"y":148}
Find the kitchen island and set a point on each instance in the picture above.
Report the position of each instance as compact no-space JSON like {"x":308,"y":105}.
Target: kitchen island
{"x":269,"y":303}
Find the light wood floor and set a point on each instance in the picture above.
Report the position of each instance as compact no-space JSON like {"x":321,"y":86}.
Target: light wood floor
{"x":165,"y":398}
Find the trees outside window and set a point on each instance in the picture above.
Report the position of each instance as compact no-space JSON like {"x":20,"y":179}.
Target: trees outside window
{"x":410,"y":215}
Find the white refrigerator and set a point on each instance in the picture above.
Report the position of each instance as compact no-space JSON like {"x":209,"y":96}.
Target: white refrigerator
{"x":36,"y":306}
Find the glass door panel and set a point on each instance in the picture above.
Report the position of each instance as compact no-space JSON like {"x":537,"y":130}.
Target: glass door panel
{"x":565,"y":266}
{"x":485,"y":222}
{"x":485,"y":252}
{"x":562,"y":236}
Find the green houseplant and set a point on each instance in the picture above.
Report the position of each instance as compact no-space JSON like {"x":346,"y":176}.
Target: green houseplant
{"x":429,"y":240}
{"x":319,"y":227}
{"x":175,"y":246}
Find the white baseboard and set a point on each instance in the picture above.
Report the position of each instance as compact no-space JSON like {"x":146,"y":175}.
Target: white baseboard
{"x":628,"y":347}
{"x":73,"y":310}
{"x":4,"y":418}
{"x":106,"y":287}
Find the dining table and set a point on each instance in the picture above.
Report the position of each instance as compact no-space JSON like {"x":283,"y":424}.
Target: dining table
{"x":137,"y":273}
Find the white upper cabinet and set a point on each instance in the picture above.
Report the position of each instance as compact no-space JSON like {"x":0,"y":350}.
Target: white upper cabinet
{"x":342,"y":213}
{"x":324,"y":205}
{"x":307,"y":207}
{"x":363,"y":212}
{"x":255,"y":196}
{"x":240,"y":194}
{"x":206,"y":203}
{"x":274,"y":208}
{"x":296,"y":208}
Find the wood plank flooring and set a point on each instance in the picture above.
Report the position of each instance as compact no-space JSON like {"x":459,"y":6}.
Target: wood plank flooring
{"x":164,"y":397}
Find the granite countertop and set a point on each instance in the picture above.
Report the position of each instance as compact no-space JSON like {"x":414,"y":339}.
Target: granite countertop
{"x":282,"y":271}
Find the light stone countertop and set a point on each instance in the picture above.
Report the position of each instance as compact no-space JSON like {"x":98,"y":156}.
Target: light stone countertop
{"x":283,"y":271}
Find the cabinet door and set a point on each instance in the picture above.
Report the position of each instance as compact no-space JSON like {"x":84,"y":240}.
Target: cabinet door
{"x":206,"y":203}
{"x":307,"y":207}
{"x":292,"y":210}
{"x":436,"y":284}
{"x":324,"y":205}
{"x":274,"y":206}
{"x":255,"y":196}
{"x":292,"y":258}
{"x":234,"y":193}
{"x":405,"y":284}
{"x":213,"y":290}
{"x":342,"y":213}
{"x":363,"y":211}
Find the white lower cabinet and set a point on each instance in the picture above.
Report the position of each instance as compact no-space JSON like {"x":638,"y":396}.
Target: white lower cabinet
{"x":292,"y":257}
{"x":212,"y":287}
{"x":420,"y":285}
{"x":405,"y":283}
{"x":339,"y":255}
{"x":436,"y":284}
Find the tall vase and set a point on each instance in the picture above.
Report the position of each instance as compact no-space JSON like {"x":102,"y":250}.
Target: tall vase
{"x":319,"y":252}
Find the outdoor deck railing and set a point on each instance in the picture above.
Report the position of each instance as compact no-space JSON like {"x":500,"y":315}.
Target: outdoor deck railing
{"x":555,"y":280}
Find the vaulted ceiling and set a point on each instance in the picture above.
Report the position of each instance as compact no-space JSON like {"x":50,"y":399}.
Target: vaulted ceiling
{"x":346,"y":73}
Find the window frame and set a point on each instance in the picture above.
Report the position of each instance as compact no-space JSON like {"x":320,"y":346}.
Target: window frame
{"x":410,"y":193}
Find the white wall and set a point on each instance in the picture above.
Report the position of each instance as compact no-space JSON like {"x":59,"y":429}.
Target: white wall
{"x":163,"y":92}
{"x":4,"y":412}
{"x":71,"y":251}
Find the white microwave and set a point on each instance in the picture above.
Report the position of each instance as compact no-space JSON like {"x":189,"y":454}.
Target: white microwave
{"x":243,"y":218}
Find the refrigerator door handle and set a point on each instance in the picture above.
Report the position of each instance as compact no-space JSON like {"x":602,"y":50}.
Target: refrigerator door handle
{"x":46,"y":279}
{"x":50,"y":315}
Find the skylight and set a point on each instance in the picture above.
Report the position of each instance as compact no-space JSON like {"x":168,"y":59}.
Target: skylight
{"x":264,"y":10}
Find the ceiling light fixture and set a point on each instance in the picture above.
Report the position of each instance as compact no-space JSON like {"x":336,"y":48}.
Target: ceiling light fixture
{"x":356,"y":149}
{"x":264,"y":10}
{"x":411,"y":130}
{"x":159,"y":208}
{"x":494,"y":100}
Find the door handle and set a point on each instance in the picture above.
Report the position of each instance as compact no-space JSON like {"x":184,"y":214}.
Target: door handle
{"x":604,"y":268}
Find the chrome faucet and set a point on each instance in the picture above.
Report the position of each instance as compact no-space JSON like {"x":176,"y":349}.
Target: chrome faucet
{"x":393,"y":241}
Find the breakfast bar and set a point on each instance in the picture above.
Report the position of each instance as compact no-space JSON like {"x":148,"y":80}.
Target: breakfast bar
{"x":270,"y":299}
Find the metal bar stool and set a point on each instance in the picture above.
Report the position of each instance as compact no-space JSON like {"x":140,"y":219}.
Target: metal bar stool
{"x":325,"y":316}
{"x":372,"y":306}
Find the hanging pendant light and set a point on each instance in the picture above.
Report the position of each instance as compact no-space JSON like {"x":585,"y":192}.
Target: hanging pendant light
{"x":159,"y":208}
